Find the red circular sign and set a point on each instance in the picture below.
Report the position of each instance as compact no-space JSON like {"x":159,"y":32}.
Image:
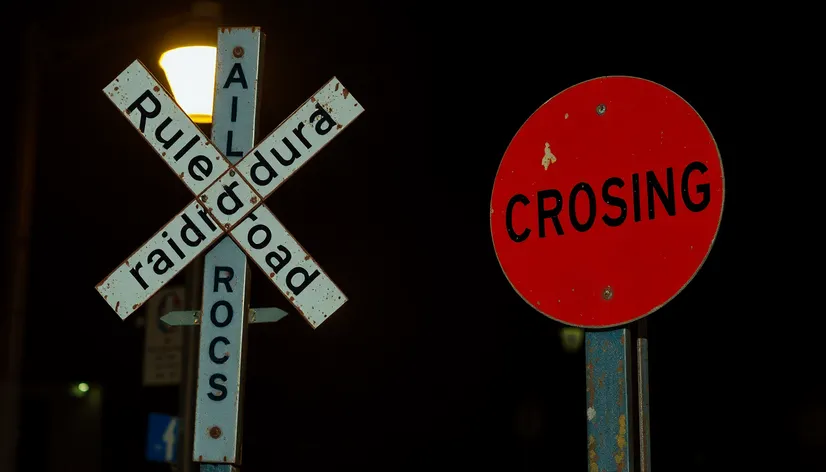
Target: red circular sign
{"x":607,"y":202}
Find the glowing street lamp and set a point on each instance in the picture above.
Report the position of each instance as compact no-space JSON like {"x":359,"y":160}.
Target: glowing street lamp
{"x":189,"y":59}
{"x":190,"y":71}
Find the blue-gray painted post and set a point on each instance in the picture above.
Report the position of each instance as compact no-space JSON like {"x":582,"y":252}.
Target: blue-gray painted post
{"x":607,"y":380}
{"x":217,"y":429}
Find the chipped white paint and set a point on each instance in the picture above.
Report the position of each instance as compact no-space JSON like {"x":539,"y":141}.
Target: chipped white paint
{"x":229,"y":199}
{"x":592,"y":413}
{"x":299,"y":137}
{"x":218,"y":401}
{"x":289,"y":266}
{"x":158,"y":260}
{"x":166,"y":127}
{"x":227,"y":195}
{"x":549,"y":158}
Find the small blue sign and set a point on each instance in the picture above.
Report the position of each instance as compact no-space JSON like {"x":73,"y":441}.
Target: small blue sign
{"x":162,"y":438}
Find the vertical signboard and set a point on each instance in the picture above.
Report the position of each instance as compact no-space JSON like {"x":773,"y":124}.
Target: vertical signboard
{"x":162,"y":344}
{"x":223,"y":323}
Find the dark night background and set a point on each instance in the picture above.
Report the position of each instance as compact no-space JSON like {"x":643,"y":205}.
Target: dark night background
{"x":435,"y":362}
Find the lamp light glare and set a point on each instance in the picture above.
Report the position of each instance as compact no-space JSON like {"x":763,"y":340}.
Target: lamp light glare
{"x":190,"y":71}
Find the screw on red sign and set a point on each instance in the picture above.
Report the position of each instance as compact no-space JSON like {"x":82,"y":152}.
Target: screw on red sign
{"x":607,"y":202}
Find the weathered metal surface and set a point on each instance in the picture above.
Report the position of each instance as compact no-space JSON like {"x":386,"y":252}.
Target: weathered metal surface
{"x":223,"y":331}
{"x":223,"y":336}
{"x":300,"y":137}
{"x":228,"y":197}
{"x":166,"y":127}
{"x":644,"y":409}
{"x":193,"y":317}
{"x":607,"y":381}
{"x":553,"y":203}
{"x":158,"y":260}
{"x":235,"y":137}
{"x":290,"y":268}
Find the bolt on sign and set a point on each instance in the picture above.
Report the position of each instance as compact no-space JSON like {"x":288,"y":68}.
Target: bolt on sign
{"x":607,"y":202}
{"x":229,"y":176}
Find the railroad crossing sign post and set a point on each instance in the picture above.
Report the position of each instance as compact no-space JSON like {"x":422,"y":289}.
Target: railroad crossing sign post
{"x":605,"y":206}
{"x":230,"y":178}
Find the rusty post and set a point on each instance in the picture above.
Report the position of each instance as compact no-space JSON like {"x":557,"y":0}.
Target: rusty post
{"x":607,"y":380}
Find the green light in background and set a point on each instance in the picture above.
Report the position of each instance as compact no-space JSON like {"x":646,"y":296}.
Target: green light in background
{"x":79,"y":389}
{"x":572,"y":338}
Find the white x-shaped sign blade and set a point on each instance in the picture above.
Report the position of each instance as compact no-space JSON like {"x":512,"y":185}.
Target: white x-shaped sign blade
{"x":228,"y":198}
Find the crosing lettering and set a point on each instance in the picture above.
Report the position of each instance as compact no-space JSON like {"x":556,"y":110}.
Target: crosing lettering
{"x":550,"y":203}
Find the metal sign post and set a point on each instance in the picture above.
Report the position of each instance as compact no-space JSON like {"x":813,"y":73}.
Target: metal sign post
{"x":217,"y":432}
{"x":610,"y":380}
{"x":230,"y":180}
{"x":608,"y":386}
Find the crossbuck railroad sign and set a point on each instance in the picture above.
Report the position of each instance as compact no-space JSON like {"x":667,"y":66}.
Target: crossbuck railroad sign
{"x":229,"y":188}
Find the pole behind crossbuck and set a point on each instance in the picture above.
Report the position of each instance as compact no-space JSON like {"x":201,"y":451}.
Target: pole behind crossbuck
{"x":218,"y":407}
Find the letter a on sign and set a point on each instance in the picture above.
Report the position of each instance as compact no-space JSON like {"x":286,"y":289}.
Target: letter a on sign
{"x":607,"y":202}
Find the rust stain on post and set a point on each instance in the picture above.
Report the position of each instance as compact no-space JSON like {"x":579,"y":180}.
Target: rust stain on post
{"x":607,"y":397}
{"x":593,"y":466}
{"x":622,"y":443}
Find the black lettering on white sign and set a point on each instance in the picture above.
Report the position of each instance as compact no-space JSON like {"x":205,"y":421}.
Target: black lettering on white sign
{"x":286,"y":154}
{"x":149,"y":108}
{"x":160,"y":261}
{"x":234,"y":200}
{"x":223,"y":275}
{"x":259,"y":237}
{"x":236,"y":75}
{"x":213,"y":382}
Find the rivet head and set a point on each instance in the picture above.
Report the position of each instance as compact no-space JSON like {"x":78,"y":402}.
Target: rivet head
{"x":215,"y":432}
{"x":238,"y":51}
{"x":600,"y":109}
{"x":203,"y":198}
{"x":232,"y":173}
{"x":607,"y":293}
